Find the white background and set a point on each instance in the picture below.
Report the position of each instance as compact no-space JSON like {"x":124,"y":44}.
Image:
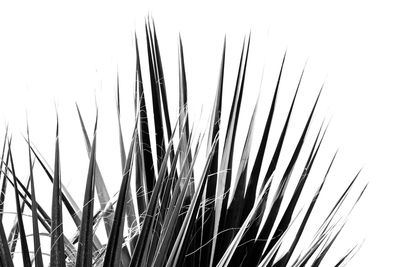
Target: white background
{"x":58,"y":54}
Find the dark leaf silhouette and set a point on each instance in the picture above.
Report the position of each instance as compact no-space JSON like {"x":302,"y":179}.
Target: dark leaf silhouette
{"x":179,"y":204}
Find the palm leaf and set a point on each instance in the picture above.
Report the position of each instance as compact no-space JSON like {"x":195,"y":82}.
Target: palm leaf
{"x":21,"y":229}
{"x":5,"y":255}
{"x":145,"y":157}
{"x":211,"y":183}
{"x":113,"y":252}
{"x":224,"y":178}
{"x":101,"y":188}
{"x":57,"y":258}
{"x":228,"y":219}
{"x":84,"y":256}
{"x":130,"y":208}
{"x":35,"y":226}
{"x":4,"y":182}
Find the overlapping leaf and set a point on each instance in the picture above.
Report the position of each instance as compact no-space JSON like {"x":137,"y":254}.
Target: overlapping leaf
{"x":223,"y":221}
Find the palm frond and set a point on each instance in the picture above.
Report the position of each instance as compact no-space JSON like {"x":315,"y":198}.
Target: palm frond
{"x":172,"y":215}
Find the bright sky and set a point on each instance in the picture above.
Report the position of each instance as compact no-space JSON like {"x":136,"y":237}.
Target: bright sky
{"x":58,"y":54}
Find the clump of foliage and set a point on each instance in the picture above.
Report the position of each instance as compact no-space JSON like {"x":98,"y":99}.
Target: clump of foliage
{"x":226,"y":218}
